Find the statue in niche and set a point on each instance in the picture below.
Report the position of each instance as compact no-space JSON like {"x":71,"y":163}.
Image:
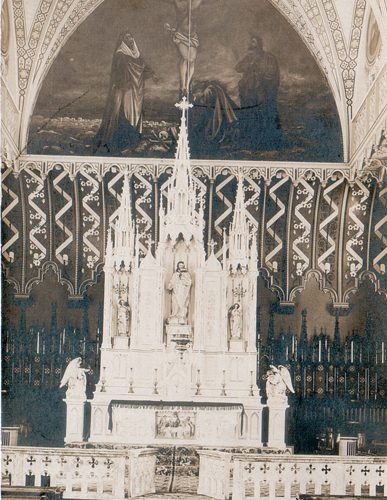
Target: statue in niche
{"x":180,"y":286}
{"x":277,"y":381}
{"x":123,"y":314}
{"x":75,"y":378}
{"x":235,"y":315}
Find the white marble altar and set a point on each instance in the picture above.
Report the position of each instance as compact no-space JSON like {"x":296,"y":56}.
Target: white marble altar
{"x":178,"y":358}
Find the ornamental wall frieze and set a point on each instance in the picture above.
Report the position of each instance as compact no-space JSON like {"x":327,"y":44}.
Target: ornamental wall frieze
{"x":308,"y":217}
{"x":209,"y":168}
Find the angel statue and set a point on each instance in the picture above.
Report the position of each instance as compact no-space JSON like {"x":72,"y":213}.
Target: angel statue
{"x":277,"y":381}
{"x":75,"y":378}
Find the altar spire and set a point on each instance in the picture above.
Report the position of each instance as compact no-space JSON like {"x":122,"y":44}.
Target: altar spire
{"x":124,"y":247}
{"x":181,"y":215}
{"x":239,"y":242}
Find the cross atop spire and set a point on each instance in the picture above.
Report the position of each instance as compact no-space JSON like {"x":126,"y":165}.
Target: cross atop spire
{"x":182,"y":151}
{"x":184,"y":105}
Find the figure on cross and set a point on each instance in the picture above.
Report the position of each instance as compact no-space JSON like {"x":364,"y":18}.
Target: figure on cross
{"x":186,"y":39}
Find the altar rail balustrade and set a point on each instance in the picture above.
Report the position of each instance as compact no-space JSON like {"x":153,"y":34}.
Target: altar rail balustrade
{"x":288,"y":476}
{"x":82,"y":473}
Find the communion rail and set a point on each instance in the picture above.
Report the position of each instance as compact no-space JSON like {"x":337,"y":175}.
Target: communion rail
{"x":247,"y":476}
{"x":82,"y":473}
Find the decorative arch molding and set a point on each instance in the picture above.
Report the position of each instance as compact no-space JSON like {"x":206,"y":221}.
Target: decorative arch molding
{"x":93,"y":280}
{"x":315,"y":21}
{"x":42,"y":272}
{"x":366,"y":276}
{"x":321,"y":281}
{"x":267,"y":276}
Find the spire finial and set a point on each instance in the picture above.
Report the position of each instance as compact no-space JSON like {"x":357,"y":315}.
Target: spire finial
{"x":184,"y":105}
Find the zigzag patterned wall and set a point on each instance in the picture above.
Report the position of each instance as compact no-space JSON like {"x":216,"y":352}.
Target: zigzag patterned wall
{"x":319,"y":221}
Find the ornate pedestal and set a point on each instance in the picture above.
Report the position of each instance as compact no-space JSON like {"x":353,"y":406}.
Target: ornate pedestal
{"x":277,"y":411}
{"x":237,"y":345}
{"x":75,"y":415}
{"x":120,"y":342}
{"x":181,"y":335}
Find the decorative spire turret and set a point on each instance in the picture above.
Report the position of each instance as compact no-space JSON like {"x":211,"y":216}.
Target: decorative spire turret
{"x":181,"y":215}
{"x":124,"y":237}
{"x":240,"y":248}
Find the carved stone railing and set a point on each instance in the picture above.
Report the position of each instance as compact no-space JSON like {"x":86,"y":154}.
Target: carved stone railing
{"x":288,"y":476}
{"x":82,"y":473}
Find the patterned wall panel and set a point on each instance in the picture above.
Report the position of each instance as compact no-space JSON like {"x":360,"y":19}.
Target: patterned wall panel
{"x":36,"y":224}
{"x":278,"y":196}
{"x":64,"y":224}
{"x":356,"y":232}
{"x":301,"y":230}
{"x":92,"y":225}
{"x":223,"y":203}
{"x":309,"y":221}
{"x":144,"y":203}
{"x":328,"y":232}
{"x":12,"y":227}
{"x":378,"y":238}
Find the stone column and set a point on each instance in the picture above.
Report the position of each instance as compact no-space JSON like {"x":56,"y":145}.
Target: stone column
{"x":75,"y":417}
{"x":277,"y":422}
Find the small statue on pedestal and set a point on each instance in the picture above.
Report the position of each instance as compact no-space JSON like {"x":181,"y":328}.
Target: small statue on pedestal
{"x":277,"y":381}
{"x":123,"y":313}
{"x":180,"y":286}
{"x":235,"y":315}
{"x":75,"y":378}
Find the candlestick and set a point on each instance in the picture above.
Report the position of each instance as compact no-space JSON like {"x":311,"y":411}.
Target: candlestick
{"x":197,"y":393}
{"x":251,"y":383}
{"x":131,"y":391}
{"x":103,"y":380}
{"x":155,"y":391}
{"x":223,"y":393}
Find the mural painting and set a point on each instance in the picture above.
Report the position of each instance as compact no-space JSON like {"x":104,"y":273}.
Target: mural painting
{"x":257,"y":92}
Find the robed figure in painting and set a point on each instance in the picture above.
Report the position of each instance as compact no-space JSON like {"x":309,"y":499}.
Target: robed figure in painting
{"x":214,"y":120}
{"x":121,"y":125}
{"x":260,"y":127}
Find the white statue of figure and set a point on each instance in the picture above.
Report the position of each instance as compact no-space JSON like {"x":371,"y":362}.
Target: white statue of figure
{"x":278,"y":380}
{"x":123,"y":312}
{"x":235,"y":314}
{"x":180,"y":286}
{"x":75,"y":378}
